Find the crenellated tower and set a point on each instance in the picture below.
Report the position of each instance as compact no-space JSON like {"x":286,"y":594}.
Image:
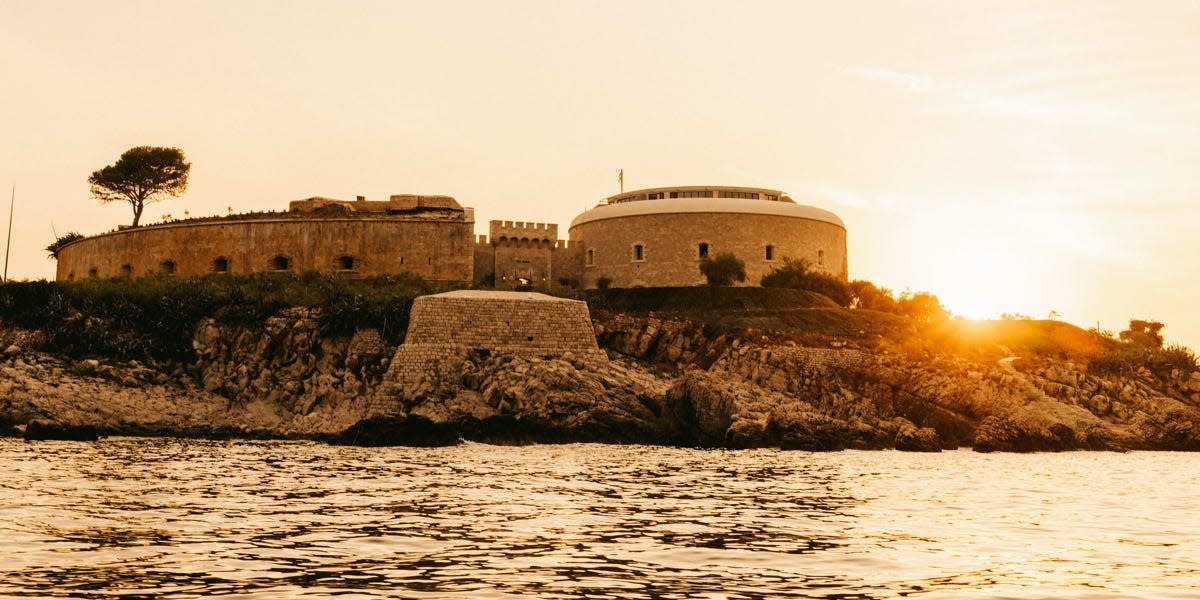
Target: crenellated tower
{"x":516,"y":253}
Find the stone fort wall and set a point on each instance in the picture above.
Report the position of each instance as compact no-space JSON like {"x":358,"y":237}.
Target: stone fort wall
{"x":671,"y":246}
{"x":516,"y":250}
{"x":436,"y":249}
{"x":659,"y":240}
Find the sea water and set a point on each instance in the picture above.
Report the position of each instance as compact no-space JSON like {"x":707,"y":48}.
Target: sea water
{"x":177,"y":518}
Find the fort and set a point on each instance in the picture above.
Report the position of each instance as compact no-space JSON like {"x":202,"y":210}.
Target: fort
{"x":643,"y":238}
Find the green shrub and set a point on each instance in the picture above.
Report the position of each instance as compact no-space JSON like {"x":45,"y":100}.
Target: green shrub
{"x":866,"y":295}
{"x":1143,"y":333}
{"x":922,"y":306}
{"x":798,"y":275}
{"x":154,"y":318}
{"x":1174,"y":357}
{"x":1127,"y":357}
{"x":62,"y":240}
{"x":723,"y":269}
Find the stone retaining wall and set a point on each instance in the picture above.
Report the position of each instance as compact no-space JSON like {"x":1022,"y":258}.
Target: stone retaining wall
{"x":444,"y":330}
{"x":503,"y":322}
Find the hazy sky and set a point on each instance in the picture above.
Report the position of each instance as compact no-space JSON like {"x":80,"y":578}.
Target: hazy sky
{"x":1007,"y":156}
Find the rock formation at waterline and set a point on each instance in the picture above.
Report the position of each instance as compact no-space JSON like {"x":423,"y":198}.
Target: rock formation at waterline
{"x":667,"y":381}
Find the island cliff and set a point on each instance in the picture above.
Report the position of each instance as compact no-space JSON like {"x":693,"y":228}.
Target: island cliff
{"x":807,"y":377}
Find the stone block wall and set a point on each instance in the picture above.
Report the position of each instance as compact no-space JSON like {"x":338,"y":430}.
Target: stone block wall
{"x":670,"y":246}
{"x":485,"y":262}
{"x":439,"y":249}
{"x":521,"y":230}
{"x":445,"y":330}
{"x":516,"y":250}
{"x":522,"y":260}
{"x":566,"y":261}
{"x":502,"y":322}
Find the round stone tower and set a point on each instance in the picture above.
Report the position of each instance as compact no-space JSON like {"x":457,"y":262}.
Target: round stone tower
{"x":658,"y":236}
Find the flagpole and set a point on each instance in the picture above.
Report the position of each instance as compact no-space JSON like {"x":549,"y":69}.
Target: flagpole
{"x":8,"y":245}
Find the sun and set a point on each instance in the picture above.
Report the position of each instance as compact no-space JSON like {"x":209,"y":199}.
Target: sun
{"x":978,"y":284}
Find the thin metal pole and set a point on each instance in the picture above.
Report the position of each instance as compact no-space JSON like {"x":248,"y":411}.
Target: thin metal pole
{"x":8,"y":245}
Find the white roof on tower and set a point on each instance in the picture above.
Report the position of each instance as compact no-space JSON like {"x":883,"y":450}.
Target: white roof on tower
{"x":657,"y":201}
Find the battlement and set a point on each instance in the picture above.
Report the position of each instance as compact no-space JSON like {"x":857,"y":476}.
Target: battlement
{"x":520,"y":230}
{"x":484,"y":240}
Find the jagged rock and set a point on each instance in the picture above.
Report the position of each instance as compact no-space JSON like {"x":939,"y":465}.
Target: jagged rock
{"x":700,"y":410}
{"x":815,"y":432}
{"x":1193,"y":382}
{"x":735,"y":390}
{"x":909,"y":438}
{"x":1100,"y":404}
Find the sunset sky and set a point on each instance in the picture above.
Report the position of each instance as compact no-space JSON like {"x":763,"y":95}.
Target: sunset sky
{"x":1006,"y":156}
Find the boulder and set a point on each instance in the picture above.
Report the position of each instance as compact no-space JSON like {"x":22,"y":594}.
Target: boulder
{"x":910,"y":438}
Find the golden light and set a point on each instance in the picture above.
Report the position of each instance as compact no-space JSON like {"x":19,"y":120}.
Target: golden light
{"x":978,"y":284}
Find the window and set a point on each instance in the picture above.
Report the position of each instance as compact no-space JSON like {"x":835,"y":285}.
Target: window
{"x":703,"y":250}
{"x":745,"y":195}
{"x":167,"y":267}
{"x":344,"y":263}
{"x":93,"y":273}
{"x":126,"y":271}
{"x":655,"y":196}
{"x":429,"y":260}
{"x":704,"y":194}
{"x":401,"y":260}
{"x":770,"y":252}
{"x":281,"y":263}
{"x":639,"y":252}
{"x":772,"y":198}
{"x":591,"y":256}
{"x":220,"y":264}
{"x":821,"y":257}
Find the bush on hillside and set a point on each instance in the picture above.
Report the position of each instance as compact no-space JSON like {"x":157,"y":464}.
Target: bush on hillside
{"x":1143,"y":333}
{"x":866,"y":295}
{"x":798,"y":275}
{"x":921,"y":306}
{"x":154,"y":318}
{"x":723,"y":269}
{"x":1141,"y":346}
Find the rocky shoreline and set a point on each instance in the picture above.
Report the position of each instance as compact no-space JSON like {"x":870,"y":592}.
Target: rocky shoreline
{"x":667,"y":381}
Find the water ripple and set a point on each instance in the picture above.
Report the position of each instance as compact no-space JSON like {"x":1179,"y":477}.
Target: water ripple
{"x":167,"y":518}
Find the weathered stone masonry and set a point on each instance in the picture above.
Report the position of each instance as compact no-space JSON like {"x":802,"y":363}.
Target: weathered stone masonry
{"x":502,"y":322}
{"x":653,"y":238}
{"x":431,"y":236}
{"x":444,"y":328}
